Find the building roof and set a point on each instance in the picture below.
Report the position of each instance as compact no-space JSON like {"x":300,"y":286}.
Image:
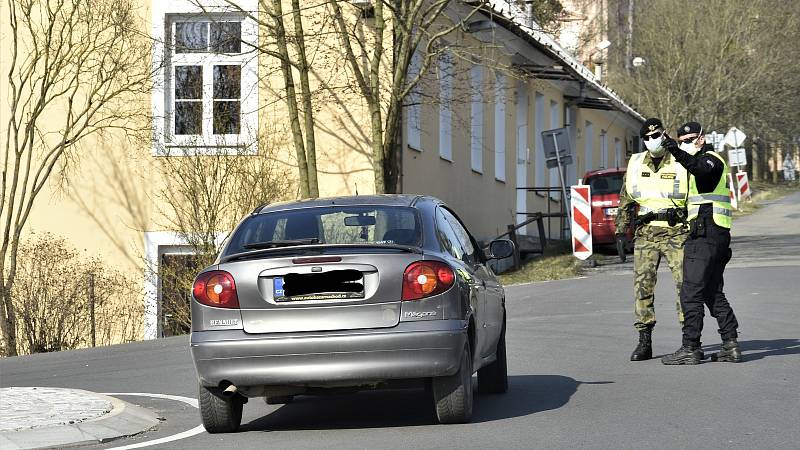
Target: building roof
{"x":511,"y":17}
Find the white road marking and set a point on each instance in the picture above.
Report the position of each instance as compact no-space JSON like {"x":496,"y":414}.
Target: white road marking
{"x":183,"y":435}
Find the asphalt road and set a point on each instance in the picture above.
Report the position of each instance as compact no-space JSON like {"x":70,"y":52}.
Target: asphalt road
{"x":571,"y":384}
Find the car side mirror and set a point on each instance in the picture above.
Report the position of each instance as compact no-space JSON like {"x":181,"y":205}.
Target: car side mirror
{"x":501,"y":248}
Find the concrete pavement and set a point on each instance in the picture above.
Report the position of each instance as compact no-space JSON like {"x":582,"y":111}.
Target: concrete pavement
{"x":35,"y":417}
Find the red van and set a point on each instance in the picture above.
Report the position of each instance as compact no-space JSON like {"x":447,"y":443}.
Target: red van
{"x":605,"y":185}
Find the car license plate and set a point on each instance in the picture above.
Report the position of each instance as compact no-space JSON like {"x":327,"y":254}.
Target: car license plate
{"x":279,"y":293}
{"x":611,"y":211}
{"x":277,"y":285}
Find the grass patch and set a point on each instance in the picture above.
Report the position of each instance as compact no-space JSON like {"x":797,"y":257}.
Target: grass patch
{"x":556,"y":263}
{"x":764,"y":192}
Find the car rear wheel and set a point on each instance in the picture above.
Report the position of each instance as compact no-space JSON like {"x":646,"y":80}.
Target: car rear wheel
{"x":220,"y":414}
{"x":453,"y":394}
{"x":493,"y":378}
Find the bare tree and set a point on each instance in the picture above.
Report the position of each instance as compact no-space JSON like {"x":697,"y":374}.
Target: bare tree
{"x":56,"y":308}
{"x":287,"y":45}
{"x":722,"y":63}
{"x":77,"y":68}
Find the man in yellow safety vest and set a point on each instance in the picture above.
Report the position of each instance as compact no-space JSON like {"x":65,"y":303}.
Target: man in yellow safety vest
{"x":659,"y":186}
{"x":707,"y":250}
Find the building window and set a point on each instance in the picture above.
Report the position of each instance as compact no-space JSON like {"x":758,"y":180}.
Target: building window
{"x":538,"y":146}
{"x":500,"y":127}
{"x":588,"y":138}
{"x":617,"y":151}
{"x":603,"y":150}
{"x":446,"y":78}
{"x":555,"y":122}
{"x":206,"y":86}
{"x":476,"y":139}
{"x":414,"y":108}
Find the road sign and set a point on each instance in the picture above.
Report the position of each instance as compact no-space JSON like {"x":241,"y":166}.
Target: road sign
{"x":736,"y":157}
{"x":557,"y":152}
{"x":717,"y":140}
{"x":732,"y":190}
{"x":735,"y":137}
{"x":581,"y":221}
{"x":744,"y":186}
{"x":556,"y":143}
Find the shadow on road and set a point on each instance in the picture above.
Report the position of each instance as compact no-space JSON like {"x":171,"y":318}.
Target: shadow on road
{"x":763,"y":348}
{"x":527,"y":394}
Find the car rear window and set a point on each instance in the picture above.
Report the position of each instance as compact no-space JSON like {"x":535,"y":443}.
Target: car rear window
{"x":606,"y":184}
{"x":331,"y":225}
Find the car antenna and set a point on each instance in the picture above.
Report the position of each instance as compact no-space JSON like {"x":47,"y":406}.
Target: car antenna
{"x":356,"y":185}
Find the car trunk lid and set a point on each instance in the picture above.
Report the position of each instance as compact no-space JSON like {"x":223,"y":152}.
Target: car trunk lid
{"x":335,"y":289}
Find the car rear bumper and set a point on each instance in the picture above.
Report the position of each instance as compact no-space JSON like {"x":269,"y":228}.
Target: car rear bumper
{"x":409,"y":350}
{"x":603,"y":232}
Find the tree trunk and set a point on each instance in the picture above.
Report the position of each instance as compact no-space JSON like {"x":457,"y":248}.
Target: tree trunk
{"x":305,"y":94}
{"x":754,"y":161}
{"x":775,"y":166}
{"x":291,"y":98}
{"x":8,"y":321}
{"x":375,"y":102}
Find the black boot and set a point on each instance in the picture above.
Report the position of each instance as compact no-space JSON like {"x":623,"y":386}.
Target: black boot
{"x":729,"y":352}
{"x":687,"y":354}
{"x":644,"y":350}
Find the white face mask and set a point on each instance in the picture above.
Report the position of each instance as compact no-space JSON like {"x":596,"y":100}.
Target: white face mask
{"x":689,"y":148}
{"x":653,"y":145}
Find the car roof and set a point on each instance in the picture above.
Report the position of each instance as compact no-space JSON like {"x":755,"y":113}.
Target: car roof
{"x":350,"y":200}
{"x":610,"y":171}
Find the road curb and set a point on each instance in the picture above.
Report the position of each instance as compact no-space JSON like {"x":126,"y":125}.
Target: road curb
{"x":123,"y":420}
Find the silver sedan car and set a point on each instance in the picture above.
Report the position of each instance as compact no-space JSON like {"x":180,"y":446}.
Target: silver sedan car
{"x":348,"y":293}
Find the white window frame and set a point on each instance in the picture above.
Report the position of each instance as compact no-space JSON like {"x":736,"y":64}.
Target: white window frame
{"x":603,"y":149}
{"x":476,"y":117}
{"x":155,"y":242}
{"x":414,"y":109}
{"x":538,"y":145}
{"x":555,"y":122}
{"x":588,"y":146}
{"x":500,"y":127}
{"x":165,"y":142}
{"x":446,"y":65}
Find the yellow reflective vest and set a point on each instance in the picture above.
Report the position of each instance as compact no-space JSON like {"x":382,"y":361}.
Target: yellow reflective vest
{"x":720,"y":198}
{"x":657,"y":191}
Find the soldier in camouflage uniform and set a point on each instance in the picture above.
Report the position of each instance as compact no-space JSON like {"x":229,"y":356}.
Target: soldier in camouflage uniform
{"x":658,"y":186}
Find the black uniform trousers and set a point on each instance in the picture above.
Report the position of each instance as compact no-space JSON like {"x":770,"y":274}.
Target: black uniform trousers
{"x":705,"y":255}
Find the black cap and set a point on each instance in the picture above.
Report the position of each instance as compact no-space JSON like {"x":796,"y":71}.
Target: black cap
{"x":650,"y":125}
{"x":690,"y":128}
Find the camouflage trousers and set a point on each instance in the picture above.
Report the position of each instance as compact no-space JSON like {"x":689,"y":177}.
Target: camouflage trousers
{"x":649,"y":249}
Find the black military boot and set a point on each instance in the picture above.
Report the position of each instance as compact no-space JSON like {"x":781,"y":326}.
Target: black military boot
{"x":687,"y":354}
{"x":644,"y":350}
{"x":729,"y":352}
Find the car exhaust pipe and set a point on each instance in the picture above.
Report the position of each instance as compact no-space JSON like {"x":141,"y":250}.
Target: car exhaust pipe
{"x":230,"y":391}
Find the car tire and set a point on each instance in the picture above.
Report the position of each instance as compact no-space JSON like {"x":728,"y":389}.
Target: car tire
{"x":493,"y":378}
{"x":220,"y":414}
{"x":453,"y":394}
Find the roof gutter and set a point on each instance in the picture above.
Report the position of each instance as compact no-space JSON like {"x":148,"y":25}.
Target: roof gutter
{"x":513,"y":18}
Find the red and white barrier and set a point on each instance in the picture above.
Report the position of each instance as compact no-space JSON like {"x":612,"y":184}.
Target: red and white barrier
{"x":581,"y":221}
{"x":733,"y":191}
{"x":744,"y":186}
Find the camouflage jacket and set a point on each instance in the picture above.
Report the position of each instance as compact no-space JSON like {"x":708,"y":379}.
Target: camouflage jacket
{"x":627,"y":207}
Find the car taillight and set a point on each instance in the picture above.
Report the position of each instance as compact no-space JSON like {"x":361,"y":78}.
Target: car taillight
{"x":425,"y":278}
{"x":216,"y":288}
